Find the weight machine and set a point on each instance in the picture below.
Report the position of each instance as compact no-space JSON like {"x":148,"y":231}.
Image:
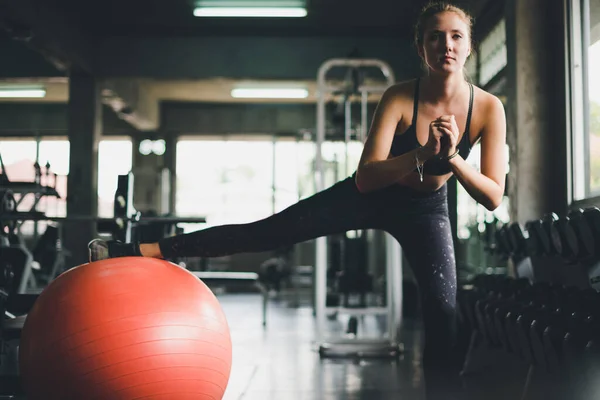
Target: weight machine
{"x":355,"y":88}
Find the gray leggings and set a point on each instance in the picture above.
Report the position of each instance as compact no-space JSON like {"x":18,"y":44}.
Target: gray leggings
{"x":419,"y":221}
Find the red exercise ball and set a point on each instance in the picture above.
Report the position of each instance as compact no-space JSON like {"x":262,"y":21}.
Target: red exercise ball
{"x":123,"y":329}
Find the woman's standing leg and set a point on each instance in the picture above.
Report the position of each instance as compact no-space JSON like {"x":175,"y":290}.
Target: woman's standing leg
{"x":427,"y":243}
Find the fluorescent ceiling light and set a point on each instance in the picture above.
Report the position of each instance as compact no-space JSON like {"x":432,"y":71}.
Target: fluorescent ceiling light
{"x":250,"y":8}
{"x":251,"y":3}
{"x":283,"y":12}
{"x":22,"y":92}
{"x":269,"y":93}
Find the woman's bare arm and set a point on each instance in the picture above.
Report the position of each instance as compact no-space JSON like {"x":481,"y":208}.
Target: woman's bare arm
{"x":487,"y":186}
{"x":375,"y":171}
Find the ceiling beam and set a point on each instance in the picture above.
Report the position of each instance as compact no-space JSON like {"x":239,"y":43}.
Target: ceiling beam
{"x":180,"y":118}
{"x":62,"y":41}
{"x":43,"y":119}
{"x":48,"y":31}
{"x":245,"y":57}
{"x":20,"y":61}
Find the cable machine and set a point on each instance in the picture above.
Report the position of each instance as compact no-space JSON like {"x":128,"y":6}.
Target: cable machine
{"x":355,"y":88}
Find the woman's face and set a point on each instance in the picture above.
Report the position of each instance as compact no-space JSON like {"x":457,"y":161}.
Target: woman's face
{"x":446,"y":43}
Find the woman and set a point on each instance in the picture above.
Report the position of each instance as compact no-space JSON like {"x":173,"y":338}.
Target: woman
{"x":399,"y":185}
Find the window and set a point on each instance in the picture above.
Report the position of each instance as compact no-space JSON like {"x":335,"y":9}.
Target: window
{"x":114,"y":158}
{"x":238,"y":181}
{"x":493,"y":57}
{"x":340,"y":160}
{"x":584,"y":60}
{"x":226,"y":181}
{"x":293,"y":172}
{"x":19,"y":157}
{"x":56,"y":154}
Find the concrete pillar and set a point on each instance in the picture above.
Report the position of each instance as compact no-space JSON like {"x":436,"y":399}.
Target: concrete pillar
{"x":171,"y":164}
{"x":537,"y":183}
{"x":84,"y":130}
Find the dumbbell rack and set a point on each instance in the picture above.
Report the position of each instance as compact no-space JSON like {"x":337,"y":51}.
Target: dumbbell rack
{"x":547,"y":316}
{"x":331,"y":344}
{"x":540,"y":248}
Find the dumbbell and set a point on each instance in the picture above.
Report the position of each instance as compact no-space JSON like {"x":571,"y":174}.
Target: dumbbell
{"x":516,"y":237}
{"x":592,"y":216}
{"x":564,"y":238}
{"x":582,"y":330}
{"x":539,"y":238}
{"x":503,"y":316}
{"x":580,"y":224}
{"x":547,"y":221}
{"x":502,"y":297}
{"x":504,"y":246}
{"x":575,"y":317}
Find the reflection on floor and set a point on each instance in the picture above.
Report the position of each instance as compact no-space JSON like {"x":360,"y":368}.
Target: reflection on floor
{"x":280,"y":361}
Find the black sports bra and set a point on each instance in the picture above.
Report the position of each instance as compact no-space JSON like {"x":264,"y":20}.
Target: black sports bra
{"x":407,"y":141}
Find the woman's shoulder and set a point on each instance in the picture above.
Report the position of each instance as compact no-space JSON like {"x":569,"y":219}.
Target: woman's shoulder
{"x":400,"y":91}
{"x":488,"y":111}
{"x":486,"y":100}
{"x":404,"y":87}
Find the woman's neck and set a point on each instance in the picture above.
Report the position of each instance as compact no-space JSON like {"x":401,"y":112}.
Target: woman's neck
{"x":444,"y":88}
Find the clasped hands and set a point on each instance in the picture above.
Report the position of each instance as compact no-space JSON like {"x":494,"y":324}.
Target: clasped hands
{"x":443,"y":137}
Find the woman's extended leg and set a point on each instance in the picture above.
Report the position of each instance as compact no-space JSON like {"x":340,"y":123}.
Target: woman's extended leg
{"x":337,"y":209}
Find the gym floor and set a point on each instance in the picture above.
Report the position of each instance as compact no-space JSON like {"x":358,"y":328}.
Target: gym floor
{"x":281,"y":362}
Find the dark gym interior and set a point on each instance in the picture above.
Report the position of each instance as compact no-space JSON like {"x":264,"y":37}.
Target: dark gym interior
{"x":134,"y":121}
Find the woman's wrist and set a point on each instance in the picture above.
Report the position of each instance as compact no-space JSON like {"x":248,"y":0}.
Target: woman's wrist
{"x":454,"y":159}
{"x":452,"y":155}
{"x":424,"y":153}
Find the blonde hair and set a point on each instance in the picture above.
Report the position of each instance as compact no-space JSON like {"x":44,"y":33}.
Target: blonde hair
{"x":437,"y":7}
